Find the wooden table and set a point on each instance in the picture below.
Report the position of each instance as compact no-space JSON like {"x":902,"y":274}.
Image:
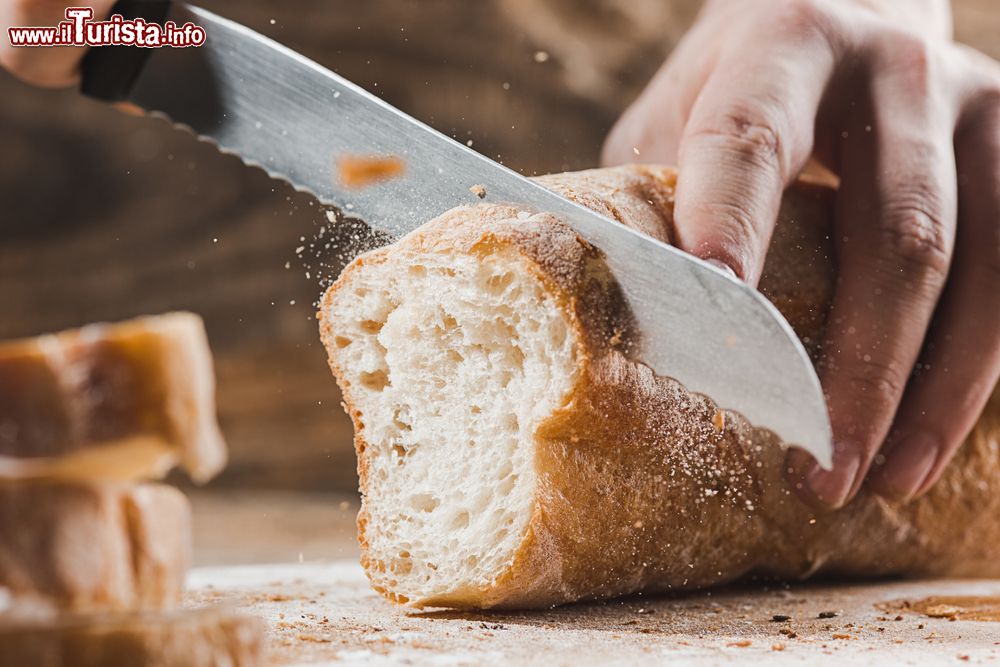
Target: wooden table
{"x":322,"y":611}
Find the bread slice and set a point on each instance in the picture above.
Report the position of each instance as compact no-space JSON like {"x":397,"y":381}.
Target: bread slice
{"x":75,"y":547}
{"x":110,"y":401}
{"x":511,"y":454}
{"x":209,"y":637}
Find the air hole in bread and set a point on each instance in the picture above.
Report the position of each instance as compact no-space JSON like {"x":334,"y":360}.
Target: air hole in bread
{"x":376,"y":381}
{"x":424,"y":502}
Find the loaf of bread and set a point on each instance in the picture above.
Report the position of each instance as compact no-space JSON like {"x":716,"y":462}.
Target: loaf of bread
{"x":73,"y":547}
{"x":209,"y":637}
{"x":110,"y":401}
{"x":511,"y":454}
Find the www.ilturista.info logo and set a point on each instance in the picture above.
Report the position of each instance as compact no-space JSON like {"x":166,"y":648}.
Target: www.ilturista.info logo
{"x":79,"y":29}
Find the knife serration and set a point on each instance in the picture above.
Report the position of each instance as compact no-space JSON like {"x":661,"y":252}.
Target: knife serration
{"x":282,"y":112}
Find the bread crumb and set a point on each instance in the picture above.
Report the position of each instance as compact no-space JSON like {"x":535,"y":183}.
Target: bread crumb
{"x":719,"y":421}
{"x":743,"y":643}
{"x":541,"y":56}
{"x":478,"y":190}
{"x":357,"y":171}
{"x":777,"y":647}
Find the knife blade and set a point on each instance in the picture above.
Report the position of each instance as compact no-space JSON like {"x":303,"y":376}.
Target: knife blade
{"x":278,"y":110}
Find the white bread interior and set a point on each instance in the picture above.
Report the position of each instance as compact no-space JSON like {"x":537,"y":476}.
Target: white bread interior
{"x":456,"y":360}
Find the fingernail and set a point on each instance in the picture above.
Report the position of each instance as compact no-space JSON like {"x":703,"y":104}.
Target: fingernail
{"x":833,"y":487}
{"x":722,"y":266}
{"x":908,"y":464}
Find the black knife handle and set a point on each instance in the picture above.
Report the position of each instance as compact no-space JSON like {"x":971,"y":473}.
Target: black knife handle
{"x":108,"y":72}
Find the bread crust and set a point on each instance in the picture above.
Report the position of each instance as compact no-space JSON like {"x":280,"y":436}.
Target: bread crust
{"x":645,"y":486}
{"x":110,"y":401}
{"x":69,"y":547}
{"x":207,"y":637}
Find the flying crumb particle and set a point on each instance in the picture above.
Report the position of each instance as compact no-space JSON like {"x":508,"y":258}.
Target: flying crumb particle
{"x":331,"y":216}
{"x":478,"y":190}
{"x":288,"y":265}
{"x":357,"y":171}
{"x":292,"y":302}
{"x":469,"y":143}
{"x":637,"y":525}
{"x":300,"y":249}
{"x":541,"y":56}
{"x":506,"y":85}
{"x":812,"y":522}
{"x":635,"y":150}
{"x":344,"y":506}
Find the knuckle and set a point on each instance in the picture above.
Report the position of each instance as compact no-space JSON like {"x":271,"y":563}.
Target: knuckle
{"x":876,"y":383}
{"x":807,"y":18}
{"x":910,"y":55}
{"x":913,"y":237}
{"x":751,"y":134}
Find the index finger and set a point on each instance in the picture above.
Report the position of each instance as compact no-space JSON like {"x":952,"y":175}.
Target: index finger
{"x":749,"y":134}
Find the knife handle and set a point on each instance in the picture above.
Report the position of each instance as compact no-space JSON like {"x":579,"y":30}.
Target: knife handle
{"x":108,"y":72}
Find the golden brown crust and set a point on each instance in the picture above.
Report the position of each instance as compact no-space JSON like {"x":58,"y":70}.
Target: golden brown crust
{"x":646,"y":486}
{"x":80,"y":548}
{"x":119,"y":401}
{"x":197,"y":638}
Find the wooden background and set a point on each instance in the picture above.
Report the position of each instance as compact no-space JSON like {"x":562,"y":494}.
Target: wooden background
{"x":104,"y":216}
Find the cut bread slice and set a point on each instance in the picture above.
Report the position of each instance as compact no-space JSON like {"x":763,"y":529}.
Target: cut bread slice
{"x":76,"y":547}
{"x":511,"y":454}
{"x":209,"y":637}
{"x":110,"y":401}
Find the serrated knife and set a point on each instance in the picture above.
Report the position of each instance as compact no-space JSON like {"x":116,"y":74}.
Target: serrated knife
{"x":278,"y":110}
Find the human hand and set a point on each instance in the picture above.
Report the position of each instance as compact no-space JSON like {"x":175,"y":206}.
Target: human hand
{"x":49,"y":67}
{"x":910,"y":121}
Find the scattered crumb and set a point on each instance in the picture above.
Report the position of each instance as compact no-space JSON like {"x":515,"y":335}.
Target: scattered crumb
{"x":616,"y":338}
{"x":788,"y":632}
{"x":827,"y":614}
{"x":743,"y":643}
{"x":841,"y":635}
{"x":777,"y":647}
{"x":780,"y":618}
{"x":541,"y":56}
{"x":478,"y":190}
{"x":719,"y":420}
{"x":356,"y":171}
